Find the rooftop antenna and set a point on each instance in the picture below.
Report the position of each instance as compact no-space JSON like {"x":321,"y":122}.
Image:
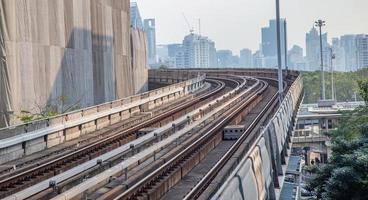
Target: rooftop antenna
{"x":191,"y":29}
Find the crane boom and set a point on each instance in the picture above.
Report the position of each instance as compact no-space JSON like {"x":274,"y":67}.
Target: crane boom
{"x":191,"y":29}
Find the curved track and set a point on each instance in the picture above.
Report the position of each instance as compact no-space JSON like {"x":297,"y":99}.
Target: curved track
{"x":33,"y":175}
{"x":197,"y":122}
{"x":153,"y":183}
{"x":209,"y":176}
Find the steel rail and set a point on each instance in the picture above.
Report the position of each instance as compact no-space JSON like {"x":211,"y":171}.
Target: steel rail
{"x":105,"y":142}
{"x":256,"y":141}
{"x":206,"y":180}
{"x":135,"y":188}
{"x":81,"y":187}
{"x":41,"y":187}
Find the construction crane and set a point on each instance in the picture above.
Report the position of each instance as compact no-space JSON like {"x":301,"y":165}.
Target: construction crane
{"x":191,"y":29}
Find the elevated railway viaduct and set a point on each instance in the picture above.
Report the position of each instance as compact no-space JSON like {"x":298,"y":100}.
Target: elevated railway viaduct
{"x":198,"y":134}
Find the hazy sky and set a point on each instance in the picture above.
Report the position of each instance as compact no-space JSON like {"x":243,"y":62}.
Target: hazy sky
{"x":236,"y":24}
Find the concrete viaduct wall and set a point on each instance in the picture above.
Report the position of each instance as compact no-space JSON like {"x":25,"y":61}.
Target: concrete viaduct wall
{"x":257,"y":173}
{"x":25,"y":139}
{"x":58,"y":53}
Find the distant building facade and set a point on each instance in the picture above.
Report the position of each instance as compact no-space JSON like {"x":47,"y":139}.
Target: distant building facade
{"x":149,"y":26}
{"x":246,"y":58}
{"x":225,"y":58}
{"x":313,"y":49}
{"x":339,"y":55}
{"x":213,"y":62}
{"x":162,"y":52}
{"x":362,"y":51}
{"x":295,"y":58}
{"x":258,"y":59}
{"x":174,"y":49}
{"x":269,"y":43}
{"x":349,"y":52}
{"x":197,"y":52}
{"x":176,"y":55}
{"x":348,"y":43}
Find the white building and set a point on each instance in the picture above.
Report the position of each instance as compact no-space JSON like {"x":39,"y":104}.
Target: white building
{"x":198,"y":52}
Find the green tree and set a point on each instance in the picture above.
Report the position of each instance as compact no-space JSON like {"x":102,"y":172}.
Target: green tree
{"x":346,"y":175}
{"x":346,"y":85}
{"x":163,"y":67}
{"x":48,"y":110}
{"x":363,"y":89}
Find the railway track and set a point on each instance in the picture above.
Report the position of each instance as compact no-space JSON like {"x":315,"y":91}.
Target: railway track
{"x":30,"y":176}
{"x":154,"y":185}
{"x":203,"y":110}
{"x":249,"y":134}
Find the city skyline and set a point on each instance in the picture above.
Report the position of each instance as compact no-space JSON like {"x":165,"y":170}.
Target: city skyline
{"x":172,"y":29}
{"x":182,"y":100}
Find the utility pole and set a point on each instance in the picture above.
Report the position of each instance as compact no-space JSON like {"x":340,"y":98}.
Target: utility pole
{"x":286,"y":48}
{"x":280,"y":79}
{"x":319,"y":23}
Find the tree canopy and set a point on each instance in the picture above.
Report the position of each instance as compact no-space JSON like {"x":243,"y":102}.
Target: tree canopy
{"x":346,"y":174}
{"x":346,"y":85}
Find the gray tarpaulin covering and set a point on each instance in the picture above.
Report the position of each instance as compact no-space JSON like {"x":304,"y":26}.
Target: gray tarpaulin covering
{"x":66,"y":52}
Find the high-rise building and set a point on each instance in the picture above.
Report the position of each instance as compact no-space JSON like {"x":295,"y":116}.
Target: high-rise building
{"x":207,"y":53}
{"x":173,"y":49}
{"x":339,"y":52}
{"x":198,"y":52}
{"x":235,"y":61}
{"x":179,"y":59}
{"x":362,"y":50}
{"x":313,"y":49}
{"x":312,"y":45}
{"x":258,"y":59}
{"x":225,"y":58}
{"x":269,"y":43}
{"x":135,"y":16}
{"x":212,"y":55}
{"x":191,"y":50}
{"x":150,"y":29}
{"x":295,"y":58}
{"x":175,"y":54}
{"x":246,"y":58}
{"x":348,"y":43}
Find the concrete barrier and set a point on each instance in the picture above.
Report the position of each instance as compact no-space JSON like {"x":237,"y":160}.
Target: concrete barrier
{"x":255,"y":173}
{"x":25,"y":139}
